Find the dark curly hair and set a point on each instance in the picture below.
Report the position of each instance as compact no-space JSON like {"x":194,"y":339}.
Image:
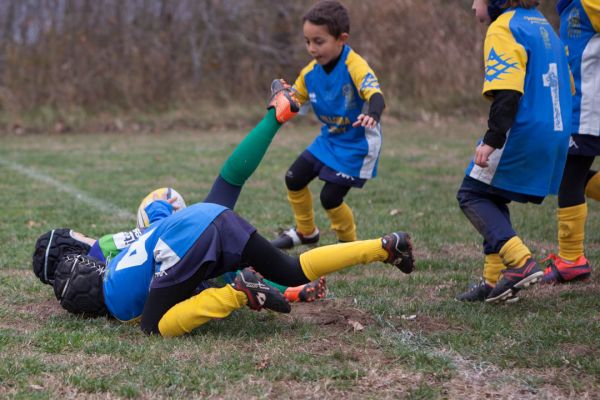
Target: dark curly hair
{"x":330,"y":13}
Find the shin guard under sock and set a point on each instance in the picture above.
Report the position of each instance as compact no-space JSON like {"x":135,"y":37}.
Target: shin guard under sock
{"x":492,"y":267}
{"x":342,"y":222}
{"x":327,"y":259}
{"x":302,"y":207}
{"x":571,"y":231}
{"x":514,"y":253}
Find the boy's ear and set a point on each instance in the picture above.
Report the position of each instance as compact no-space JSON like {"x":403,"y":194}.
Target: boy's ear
{"x":344,"y":37}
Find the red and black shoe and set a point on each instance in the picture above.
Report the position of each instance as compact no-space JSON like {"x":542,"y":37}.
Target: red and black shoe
{"x":260,"y":295}
{"x":283,"y":100}
{"x":399,"y":248}
{"x":515,"y":279}
{"x":559,"y":270}
{"x":308,"y":292}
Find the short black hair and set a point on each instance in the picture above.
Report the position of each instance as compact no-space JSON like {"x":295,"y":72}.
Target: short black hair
{"x":330,"y":13}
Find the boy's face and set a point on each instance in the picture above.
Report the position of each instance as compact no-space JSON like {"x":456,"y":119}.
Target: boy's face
{"x":322,"y":45}
{"x":480,"y":9}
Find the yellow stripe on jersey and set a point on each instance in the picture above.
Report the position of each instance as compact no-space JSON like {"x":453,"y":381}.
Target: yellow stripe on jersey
{"x":504,"y":58}
{"x":300,"y":84}
{"x":362,"y":75}
{"x":592,"y":9}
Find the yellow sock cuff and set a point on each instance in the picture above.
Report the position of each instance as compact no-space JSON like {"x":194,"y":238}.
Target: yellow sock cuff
{"x":327,"y":259}
{"x":592,"y":188}
{"x":342,"y":222}
{"x":197,"y":310}
{"x":492,"y":268}
{"x":302,"y":207}
{"x":571,"y":231}
{"x":514,"y":253}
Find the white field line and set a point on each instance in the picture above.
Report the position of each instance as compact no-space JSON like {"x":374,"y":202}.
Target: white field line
{"x":101,"y":205}
{"x":476,"y":378}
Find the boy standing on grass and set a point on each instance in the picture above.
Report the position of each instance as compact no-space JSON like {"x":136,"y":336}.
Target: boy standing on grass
{"x":339,"y":84}
{"x":580,"y":31}
{"x":522,"y":154}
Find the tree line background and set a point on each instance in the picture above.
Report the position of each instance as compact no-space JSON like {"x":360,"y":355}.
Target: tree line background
{"x":63,"y":58}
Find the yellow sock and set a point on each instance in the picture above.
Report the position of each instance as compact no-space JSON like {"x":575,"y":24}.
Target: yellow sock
{"x":199,"y":309}
{"x":342,"y":222}
{"x":327,"y":259}
{"x":492,"y":267}
{"x":302,"y":207}
{"x":514,"y":253}
{"x":571,"y":231}
{"x":592,"y":188}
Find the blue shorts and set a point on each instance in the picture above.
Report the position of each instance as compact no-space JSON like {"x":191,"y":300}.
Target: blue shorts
{"x":330,"y":175}
{"x":584,"y":145}
{"x":218,"y":250}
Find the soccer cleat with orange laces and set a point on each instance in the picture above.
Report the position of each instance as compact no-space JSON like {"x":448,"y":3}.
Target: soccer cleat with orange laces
{"x":307,"y":293}
{"x":283,"y":100}
{"x":559,"y":270}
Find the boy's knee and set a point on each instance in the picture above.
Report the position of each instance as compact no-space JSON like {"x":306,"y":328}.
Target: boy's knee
{"x":292,"y":182}
{"x":330,"y":199}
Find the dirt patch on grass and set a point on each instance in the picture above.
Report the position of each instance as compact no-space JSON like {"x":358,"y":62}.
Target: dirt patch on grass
{"x":337,"y":315}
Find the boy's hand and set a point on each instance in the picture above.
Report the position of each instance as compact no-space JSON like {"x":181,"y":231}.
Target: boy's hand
{"x":365,"y":121}
{"x":482,"y":155}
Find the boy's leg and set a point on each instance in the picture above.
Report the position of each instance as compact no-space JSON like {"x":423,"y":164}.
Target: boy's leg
{"x":571,"y":264}
{"x":297,"y":178}
{"x":248,"y":154}
{"x":489,"y":214}
{"x":176,"y":310}
{"x":592,"y":185}
{"x":277,"y":266}
{"x":339,"y":213}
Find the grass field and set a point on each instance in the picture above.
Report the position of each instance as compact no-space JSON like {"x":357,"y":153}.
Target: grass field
{"x":415,"y":341}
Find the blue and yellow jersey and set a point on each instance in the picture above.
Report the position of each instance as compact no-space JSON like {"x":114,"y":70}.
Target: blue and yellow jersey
{"x":129,"y":275}
{"x":338,"y":98}
{"x":580,"y":31}
{"x":523,"y":53}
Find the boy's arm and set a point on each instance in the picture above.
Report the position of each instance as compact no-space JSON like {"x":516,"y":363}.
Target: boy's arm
{"x":503,"y":112}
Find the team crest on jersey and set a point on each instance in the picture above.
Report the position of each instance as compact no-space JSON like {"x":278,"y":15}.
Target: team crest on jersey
{"x":574,"y":24}
{"x":369,"y":82}
{"x":497,"y":65}
{"x":546,"y":37}
{"x":348,"y":93}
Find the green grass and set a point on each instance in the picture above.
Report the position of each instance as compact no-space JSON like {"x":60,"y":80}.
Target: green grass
{"x":547,"y":345}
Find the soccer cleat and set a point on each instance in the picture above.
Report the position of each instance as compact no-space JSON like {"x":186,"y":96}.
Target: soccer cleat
{"x":561,"y":271}
{"x":260,"y":295}
{"x":307,"y":293}
{"x":283,"y":100}
{"x":515,"y":279}
{"x":291,"y":238}
{"x":399,"y":248}
{"x":479,"y":292}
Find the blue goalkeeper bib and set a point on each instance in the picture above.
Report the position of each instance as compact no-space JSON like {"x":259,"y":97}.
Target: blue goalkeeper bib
{"x":129,"y":275}
{"x":523,"y":53}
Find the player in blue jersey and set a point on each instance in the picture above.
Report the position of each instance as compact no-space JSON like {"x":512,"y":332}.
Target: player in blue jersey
{"x":522,"y":154}
{"x":580,"y":31}
{"x":156,"y":278}
{"x":53,"y":245}
{"x":345,"y":96}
